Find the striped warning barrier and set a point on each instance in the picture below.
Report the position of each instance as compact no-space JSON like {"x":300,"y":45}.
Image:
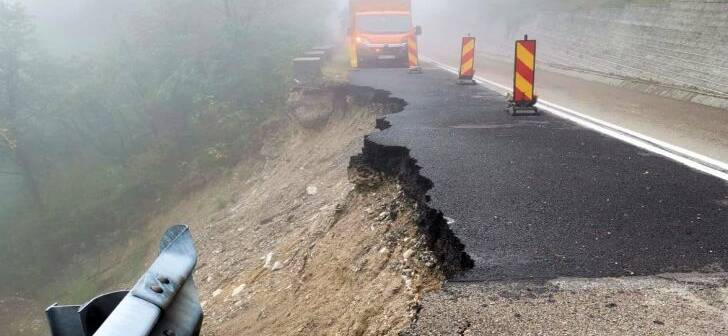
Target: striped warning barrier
{"x":524,"y":97}
{"x":413,"y":54}
{"x":467,"y":62}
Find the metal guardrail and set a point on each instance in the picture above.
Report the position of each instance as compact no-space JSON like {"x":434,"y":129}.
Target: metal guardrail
{"x":163,"y":302}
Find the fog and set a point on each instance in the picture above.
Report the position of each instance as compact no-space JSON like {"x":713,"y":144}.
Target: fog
{"x":108,"y":108}
{"x":72,"y":27}
{"x":77,"y":27}
{"x":111,"y":110}
{"x":496,"y":23}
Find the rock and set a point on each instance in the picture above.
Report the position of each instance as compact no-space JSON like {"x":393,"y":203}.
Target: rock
{"x":216,"y":292}
{"x":408,"y":254}
{"x":383,"y":216}
{"x":278,"y":265}
{"x":268,"y":261}
{"x":238,"y":289}
{"x":408,"y":283}
{"x":311,"y":190}
{"x":311,"y":107}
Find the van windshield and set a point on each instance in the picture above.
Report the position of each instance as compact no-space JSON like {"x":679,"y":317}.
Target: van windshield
{"x":381,"y":24}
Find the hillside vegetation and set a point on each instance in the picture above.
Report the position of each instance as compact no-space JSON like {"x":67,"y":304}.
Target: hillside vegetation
{"x":89,"y":145}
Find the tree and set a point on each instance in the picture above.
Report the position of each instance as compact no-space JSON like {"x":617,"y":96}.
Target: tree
{"x":16,"y":31}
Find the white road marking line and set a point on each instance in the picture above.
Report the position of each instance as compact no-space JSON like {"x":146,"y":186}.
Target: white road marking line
{"x":689,"y":158}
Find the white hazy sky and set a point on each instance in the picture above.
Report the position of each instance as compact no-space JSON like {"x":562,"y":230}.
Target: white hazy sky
{"x":68,"y":27}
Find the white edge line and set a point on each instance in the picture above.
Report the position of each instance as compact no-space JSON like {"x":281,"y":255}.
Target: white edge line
{"x":685,"y":156}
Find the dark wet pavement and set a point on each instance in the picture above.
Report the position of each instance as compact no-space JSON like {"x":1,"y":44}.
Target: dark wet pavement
{"x":540,"y":197}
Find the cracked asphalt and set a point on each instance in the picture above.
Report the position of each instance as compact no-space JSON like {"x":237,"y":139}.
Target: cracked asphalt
{"x":542,"y":198}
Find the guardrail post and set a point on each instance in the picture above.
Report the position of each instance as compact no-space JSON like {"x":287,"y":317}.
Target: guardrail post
{"x":327,"y":49}
{"x":307,"y":69}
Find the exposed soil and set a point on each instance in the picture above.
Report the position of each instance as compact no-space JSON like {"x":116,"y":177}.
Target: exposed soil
{"x":358,"y":269}
{"x":308,"y":240}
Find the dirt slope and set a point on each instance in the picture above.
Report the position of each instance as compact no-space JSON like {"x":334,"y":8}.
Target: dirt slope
{"x":289,"y":246}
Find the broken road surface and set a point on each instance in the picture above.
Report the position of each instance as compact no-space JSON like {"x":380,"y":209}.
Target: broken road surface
{"x":540,"y":198}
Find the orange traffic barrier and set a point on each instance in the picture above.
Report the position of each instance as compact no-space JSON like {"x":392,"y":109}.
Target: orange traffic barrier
{"x":413,"y":54}
{"x":524,"y":97}
{"x":467,"y":62}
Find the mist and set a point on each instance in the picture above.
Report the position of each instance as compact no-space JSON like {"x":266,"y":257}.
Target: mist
{"x":109,"y":110}
{"x":78,"y":27}
{"x":113,"y":112}
{"x":496,"y":23}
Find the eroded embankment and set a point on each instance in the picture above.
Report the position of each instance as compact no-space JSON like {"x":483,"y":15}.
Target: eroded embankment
{"x":395,"y":162}
{"x":312,"y":236}
{"x":383,"y":165}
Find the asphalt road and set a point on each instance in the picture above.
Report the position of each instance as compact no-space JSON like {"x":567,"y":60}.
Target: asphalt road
{"x":540,"y":197}
{"x":698,"y":128}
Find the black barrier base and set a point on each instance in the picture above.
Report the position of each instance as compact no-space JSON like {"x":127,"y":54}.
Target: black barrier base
{"x":414,"y":70}
{"x":523,"y":108}
{"x":466,"y":82}
{"x":521,"y":111}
